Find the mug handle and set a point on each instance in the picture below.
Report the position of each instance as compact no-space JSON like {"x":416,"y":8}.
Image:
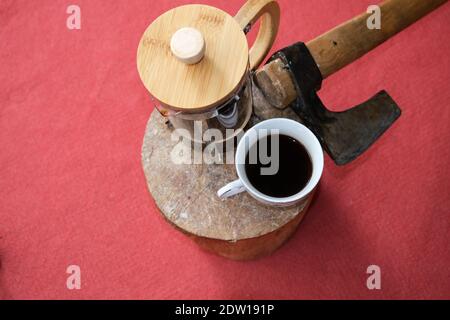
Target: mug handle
{"x":231,"y":189}
{"x":269,"y":11}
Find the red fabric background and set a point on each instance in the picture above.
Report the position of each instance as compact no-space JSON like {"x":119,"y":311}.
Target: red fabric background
{"x":72,"y":191}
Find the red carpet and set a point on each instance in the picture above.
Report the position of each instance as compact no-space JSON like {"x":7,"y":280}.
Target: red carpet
{"x":72,"y":191}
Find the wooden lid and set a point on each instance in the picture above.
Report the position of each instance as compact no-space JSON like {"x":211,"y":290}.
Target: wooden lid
{"x":209,"y":82}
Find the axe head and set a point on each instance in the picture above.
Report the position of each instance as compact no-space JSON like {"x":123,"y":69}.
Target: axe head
{"x":344,"y":135}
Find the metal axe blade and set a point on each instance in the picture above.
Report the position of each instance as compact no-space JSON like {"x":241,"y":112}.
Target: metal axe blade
{"x":344,"y":135}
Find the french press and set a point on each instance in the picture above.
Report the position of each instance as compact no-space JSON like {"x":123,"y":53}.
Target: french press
{"x":196,"y":63}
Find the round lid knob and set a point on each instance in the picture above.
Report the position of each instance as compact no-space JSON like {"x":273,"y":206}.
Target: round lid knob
{"x":188,"y":45}
{"x":193,"y":58}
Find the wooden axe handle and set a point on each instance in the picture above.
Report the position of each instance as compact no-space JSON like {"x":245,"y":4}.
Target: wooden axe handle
{"x":344,"y":44}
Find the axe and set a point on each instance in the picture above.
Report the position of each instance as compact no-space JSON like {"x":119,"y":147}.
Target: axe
{"x":293,"y":76}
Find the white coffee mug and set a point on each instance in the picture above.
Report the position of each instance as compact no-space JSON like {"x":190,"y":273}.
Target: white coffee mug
{"x":280,"y":126}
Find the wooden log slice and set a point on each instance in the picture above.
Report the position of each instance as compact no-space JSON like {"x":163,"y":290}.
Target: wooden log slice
{"x":238,"y":228}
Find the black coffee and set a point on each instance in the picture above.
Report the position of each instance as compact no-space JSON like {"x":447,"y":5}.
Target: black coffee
{"x":294,"y":170}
